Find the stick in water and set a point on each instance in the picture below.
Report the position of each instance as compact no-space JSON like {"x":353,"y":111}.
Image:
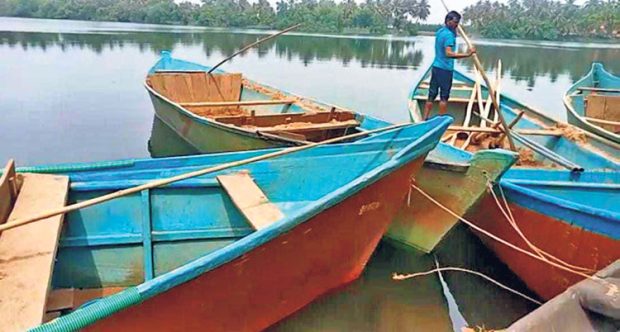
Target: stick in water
{"x":254,"y":44}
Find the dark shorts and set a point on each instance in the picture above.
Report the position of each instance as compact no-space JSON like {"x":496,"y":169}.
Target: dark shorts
{"x":441,"y":83}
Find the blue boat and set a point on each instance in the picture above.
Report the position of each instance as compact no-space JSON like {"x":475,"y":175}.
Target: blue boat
{"x":234,"y":250}
{"x":228,"y":112}
{"x":562,"y":192}
{"x":593,"y":103}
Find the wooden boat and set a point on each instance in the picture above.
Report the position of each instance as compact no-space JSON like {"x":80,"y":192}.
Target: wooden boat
{"x":593,"y":103}
{"x":222,"y":112}
{"x":259,"y":116}
{"x":561,"y":191}
{"x":454,"y":176}
{"x":235,"y":250}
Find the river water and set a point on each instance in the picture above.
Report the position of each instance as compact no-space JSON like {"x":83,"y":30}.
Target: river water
{"x":72,"y":91}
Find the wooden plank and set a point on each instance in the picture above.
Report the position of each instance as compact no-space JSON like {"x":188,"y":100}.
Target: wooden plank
{"x":191,"y":87}
{"x":73,"y":298}
{"x":286,"y":136}
{"x":606,"y":108}
{"x":27,"y":252}
{"x":8,"y":190}
{"x":250,"y":199}
{"x":240,"y":103}
{"x":60,"y":299}
{"x":587,"y":88}
{"x":305,"y":127}
{"x":451,"y":100}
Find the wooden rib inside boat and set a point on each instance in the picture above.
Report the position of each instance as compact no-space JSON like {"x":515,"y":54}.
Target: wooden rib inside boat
{"x":228,"y":99}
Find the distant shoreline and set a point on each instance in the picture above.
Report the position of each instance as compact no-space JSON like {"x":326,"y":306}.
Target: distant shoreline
{"x":600,"y":42}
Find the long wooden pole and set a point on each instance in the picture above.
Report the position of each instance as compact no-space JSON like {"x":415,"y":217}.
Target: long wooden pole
{"x":180,"y":177}
{"x":490,"y":87}
{"x":254,"y":44}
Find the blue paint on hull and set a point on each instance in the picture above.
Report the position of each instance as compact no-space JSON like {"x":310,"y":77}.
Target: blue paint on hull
{"x":106,"y":245}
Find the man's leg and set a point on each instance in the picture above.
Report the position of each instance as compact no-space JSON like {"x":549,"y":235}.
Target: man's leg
{"x":445,"y":83}
{"x":443,"y":107}
{"x":428,"y":107}
{"x":433,"y":91}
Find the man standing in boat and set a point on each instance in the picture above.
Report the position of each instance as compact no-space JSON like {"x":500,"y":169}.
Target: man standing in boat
{"x":443,"y":65}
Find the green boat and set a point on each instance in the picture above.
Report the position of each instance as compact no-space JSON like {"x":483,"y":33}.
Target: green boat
{"x":224,"y":112}
{"x":593,"y":103}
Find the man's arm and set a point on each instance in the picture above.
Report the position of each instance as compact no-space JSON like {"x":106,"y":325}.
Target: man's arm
{"x":456,"y":55}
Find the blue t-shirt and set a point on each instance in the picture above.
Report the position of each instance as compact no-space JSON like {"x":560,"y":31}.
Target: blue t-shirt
{"x":444,"y":37}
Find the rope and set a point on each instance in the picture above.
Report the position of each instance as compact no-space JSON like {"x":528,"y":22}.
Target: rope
{"x":513,"y":222}
{"x":612,"y":289}
{"x":397,"y":276}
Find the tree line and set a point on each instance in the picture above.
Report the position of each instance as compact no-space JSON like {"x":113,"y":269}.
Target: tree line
{"x":324,"y":16}
{"x":545,"y":19}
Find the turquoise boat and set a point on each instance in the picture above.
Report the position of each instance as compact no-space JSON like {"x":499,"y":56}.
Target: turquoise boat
{"x":593,"y":103}
{"x":234,"y":250}
{"x":183,"y":98}
{"x":562,"y":192}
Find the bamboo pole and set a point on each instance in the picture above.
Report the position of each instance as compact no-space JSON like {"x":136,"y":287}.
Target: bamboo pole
{"x":252,"y":45}
{"x":490,"y":87}
{"x":498,"y":88}
{"x":180,"y":177}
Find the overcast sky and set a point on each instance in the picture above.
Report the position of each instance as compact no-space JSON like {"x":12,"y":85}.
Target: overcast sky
{"x":437,"y":10}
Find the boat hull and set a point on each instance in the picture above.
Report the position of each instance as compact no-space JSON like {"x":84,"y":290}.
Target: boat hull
{"x":562,"y":239}
{"x":278,"y":278}
{"x":422,"y":224}
{"x":204,"y":135}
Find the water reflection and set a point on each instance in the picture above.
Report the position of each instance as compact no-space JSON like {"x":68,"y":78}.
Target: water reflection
{"x":379,"y":53}
{"x":527,"y":63}
{"x":480,"y":302}
{"x":375,"y":302}
{"x":164,"y":142}
{"x":523,"y":63}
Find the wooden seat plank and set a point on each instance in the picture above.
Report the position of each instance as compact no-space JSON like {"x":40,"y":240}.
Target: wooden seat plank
{"x":27,"y":252}
{"x":451,"y":100}
{"x":294,"y":128}
{"x":250,"y":199}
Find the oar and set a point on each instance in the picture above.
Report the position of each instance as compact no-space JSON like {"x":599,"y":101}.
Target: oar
{"x":490,"y":87}
{"x":180,"y":177}
{"x":252,"y":45}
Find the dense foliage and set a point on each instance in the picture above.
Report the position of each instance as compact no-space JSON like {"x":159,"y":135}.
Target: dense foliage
{"x":545,"y":19}
{"x":372,"y":16}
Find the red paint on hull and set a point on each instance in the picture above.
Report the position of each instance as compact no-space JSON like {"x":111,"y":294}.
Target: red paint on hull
{"x":280,"y":277}
{"x":572,"y":244}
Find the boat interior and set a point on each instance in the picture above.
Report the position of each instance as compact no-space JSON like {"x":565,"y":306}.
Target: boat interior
{"x":601,"y":106}
{"x":102,"y":249}
{"x":540,"y":141}
{"x":228,"y":98}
